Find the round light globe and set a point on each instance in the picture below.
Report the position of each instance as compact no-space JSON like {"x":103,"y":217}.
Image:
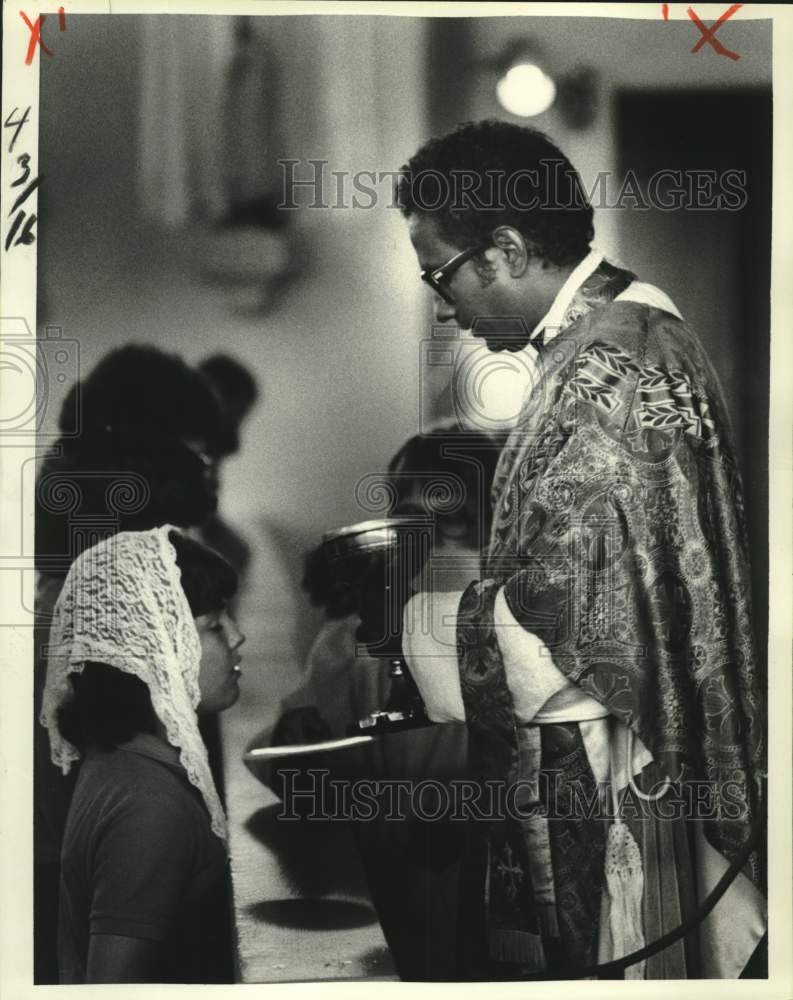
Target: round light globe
{"x":525,"y":90}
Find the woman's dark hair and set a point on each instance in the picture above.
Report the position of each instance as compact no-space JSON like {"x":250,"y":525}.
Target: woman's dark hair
{"x":115,"y":482}
{"x":494,"y":173}
{"x":326,"y":584}
{"x":129,"y":466}
{"x":441,"y":466}
{"x":449,"y":468}
{"x":236,"y":391}
{"x":142,"y":389}
{"x":208,"y":581}
{"x":111,"y":706}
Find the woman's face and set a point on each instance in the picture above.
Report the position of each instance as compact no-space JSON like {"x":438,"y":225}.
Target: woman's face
{"x":203,"y":452}
{"x":219,"y":671}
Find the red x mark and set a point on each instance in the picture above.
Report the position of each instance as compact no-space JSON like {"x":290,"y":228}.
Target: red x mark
{"x":35,"y":36}
{"x":708,"y":34}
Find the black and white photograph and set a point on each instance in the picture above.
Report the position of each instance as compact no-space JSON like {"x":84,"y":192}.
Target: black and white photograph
{"x":395,"y":442}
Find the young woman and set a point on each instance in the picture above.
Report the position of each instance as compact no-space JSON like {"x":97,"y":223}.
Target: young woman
{"x":413,"y":866}
{"x":148,"y":425}
{"x":141,"y":646}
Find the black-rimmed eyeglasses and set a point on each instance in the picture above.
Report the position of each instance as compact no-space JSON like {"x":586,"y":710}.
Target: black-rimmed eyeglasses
{"x":439,"y":278}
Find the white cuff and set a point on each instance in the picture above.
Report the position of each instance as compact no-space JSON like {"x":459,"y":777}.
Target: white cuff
{"x":531,"y":675}
{"x":540,"y":691}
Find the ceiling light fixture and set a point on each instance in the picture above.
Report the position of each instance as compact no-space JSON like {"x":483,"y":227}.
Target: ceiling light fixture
{"x":525,"y":90}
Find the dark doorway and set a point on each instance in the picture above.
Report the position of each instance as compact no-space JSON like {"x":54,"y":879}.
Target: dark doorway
{"x":715,"y":264}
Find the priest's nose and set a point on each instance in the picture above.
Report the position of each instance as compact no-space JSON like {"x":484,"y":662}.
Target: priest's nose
{"x":443,"y":310}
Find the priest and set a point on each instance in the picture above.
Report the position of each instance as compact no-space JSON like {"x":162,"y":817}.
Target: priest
{"x":604,"y":662}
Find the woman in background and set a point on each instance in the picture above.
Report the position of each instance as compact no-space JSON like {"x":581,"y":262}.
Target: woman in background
{"x":412,"y":866}
{"x":141,"y":646}
{"x":137,"y":436}
{"x":236,"y":392}
{"x":424,"y":475}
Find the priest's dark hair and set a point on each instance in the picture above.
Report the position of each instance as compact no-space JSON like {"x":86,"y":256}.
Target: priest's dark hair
{"x":110,"y":706}
{"x":494,"y":173}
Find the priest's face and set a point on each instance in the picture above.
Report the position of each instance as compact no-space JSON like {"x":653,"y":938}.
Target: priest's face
{"x":478,"y":293}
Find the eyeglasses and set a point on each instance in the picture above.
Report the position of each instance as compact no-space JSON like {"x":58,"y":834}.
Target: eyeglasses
{"x":439,"y":278}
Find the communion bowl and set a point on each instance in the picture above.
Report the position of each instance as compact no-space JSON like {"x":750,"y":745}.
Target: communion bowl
{"x":371,"y":536}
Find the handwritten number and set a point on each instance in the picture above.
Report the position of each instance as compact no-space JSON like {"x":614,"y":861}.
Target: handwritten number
{"x":8,"y":123}
{"x":27,"y":236}
{"x":26,"y":193}
{"x":23,"y":161}
{"x":22,"y":219}
{"x":13,"y":230}
{"x":22,"y":229}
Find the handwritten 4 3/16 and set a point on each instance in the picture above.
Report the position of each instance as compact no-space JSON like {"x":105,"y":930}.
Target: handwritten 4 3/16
{"x":21,"y":230}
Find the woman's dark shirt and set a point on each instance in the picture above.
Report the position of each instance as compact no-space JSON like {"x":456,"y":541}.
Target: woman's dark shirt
{"x":140,"y":860}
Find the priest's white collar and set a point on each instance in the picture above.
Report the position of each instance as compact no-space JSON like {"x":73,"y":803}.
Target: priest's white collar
{"x":552,"y":320}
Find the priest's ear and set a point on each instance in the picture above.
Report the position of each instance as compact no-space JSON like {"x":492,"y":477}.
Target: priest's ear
{"x":516,"y":249}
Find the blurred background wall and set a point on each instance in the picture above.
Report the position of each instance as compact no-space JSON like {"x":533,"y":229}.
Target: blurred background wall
{"x":149,"y":122}
{"x":339,"y":346}
{"x":336,"y":352}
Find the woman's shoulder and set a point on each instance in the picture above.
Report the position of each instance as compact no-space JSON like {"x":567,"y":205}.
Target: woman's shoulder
{"x":118,"y":781}
{"x":126,"y":803}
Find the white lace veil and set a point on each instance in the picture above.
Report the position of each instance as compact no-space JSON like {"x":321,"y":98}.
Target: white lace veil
{"x":122,"y":604}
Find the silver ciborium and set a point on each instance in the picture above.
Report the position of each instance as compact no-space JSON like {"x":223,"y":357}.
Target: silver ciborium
{"x":381,"y":560}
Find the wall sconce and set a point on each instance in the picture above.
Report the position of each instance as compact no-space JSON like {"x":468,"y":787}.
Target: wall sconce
{"x":525,"y":90}
{"x":527,"y":86}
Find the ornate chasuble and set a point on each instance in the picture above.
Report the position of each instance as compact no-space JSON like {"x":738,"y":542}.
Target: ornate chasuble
{"x":619,"y":540}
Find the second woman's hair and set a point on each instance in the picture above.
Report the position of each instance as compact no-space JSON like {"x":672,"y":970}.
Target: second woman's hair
{"x":440,"y":464}
{"x":136,"y":434}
